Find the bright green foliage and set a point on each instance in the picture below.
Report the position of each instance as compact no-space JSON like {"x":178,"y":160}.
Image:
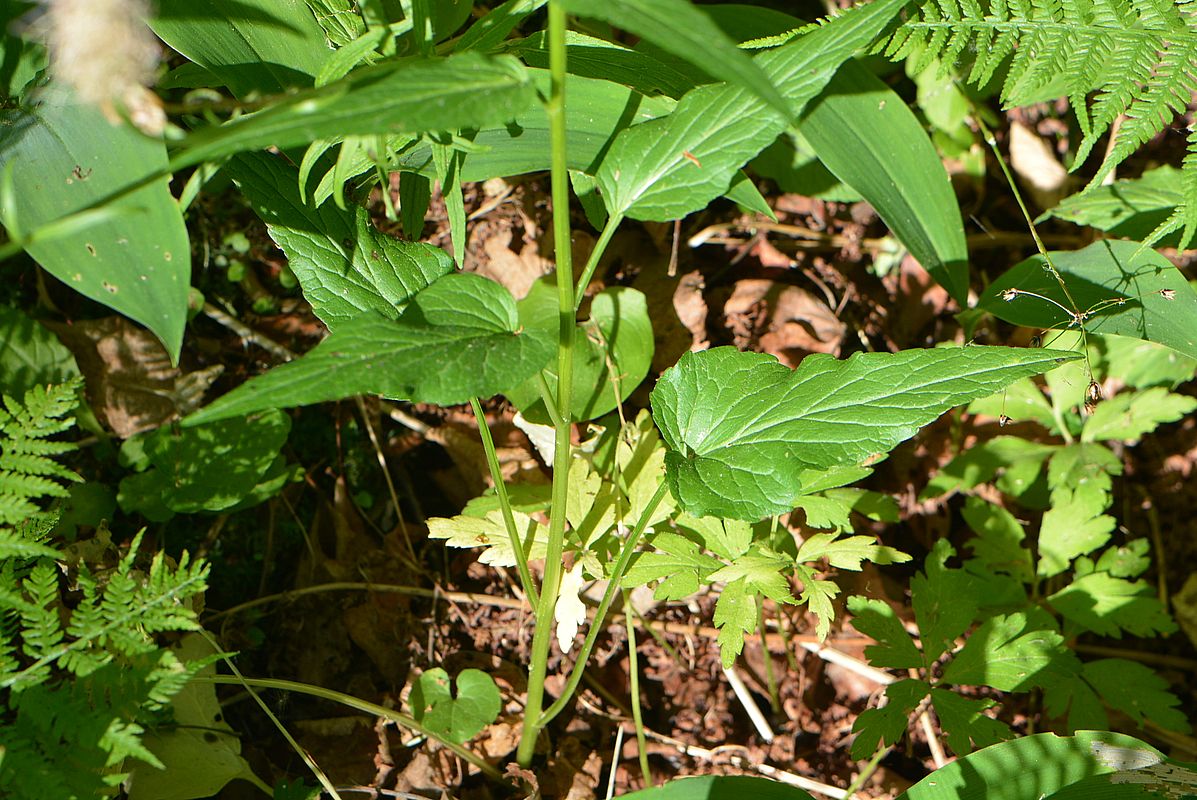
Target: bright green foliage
{"x":457,"y":717}
{"x":223,"y":466}
{"x":459,"y":338}
{"x":1111,"y":59}
{"x":1130,"y":208}
{"x":664,"y":169}
{"x":1130,"y":415}
{"x":64,"y":155}
{"x":77,"y":687}
{"x":345,"y":265}
{"x":741,"y":426}
{"x":30,"y":355}
{"x":1118,"y":287}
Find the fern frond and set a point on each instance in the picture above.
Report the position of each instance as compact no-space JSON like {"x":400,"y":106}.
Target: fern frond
{"x":28,"y":472}
{"x":1129,"y":59}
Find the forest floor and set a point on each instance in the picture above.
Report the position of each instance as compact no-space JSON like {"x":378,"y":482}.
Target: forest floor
{"x":825,"y":278}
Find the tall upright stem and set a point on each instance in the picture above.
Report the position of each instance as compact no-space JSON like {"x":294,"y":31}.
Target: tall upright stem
{"x":549,"y":587}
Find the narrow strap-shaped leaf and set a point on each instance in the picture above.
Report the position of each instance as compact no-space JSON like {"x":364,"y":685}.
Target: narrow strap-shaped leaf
{"x":741,"y":427}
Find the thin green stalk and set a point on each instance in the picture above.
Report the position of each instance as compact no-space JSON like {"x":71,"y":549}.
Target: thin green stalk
{"x":496,"y":475}
{"x":613,"y":586}
{"x":770,"y":678}
{"x":634,"y":679}
{"x":546,"y":396}
{"x":596,"y":255}
{"x":350,"y":701}
{"x":551,"y":584}
{"x":867,"y":772}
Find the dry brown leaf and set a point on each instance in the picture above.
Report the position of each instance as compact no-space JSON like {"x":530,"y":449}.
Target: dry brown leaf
{"x":1034,"y":161}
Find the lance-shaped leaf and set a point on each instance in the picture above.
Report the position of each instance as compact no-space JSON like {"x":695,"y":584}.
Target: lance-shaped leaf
{"x":664,"y":169}
{"x":345,"y":265}
{"x":741,"y":426}
{"x":679,"y":28}
{"x":467,"y":90}
{"x":459,"y":338}
{"x":1119,"y":287}
{"x":65,"y":157}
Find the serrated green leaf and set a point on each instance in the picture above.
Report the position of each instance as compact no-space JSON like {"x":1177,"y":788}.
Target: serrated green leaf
{"x":461,"y":718}
{"x":1160,"y":304}
{"x":817,"y":595}
{"x":676,"y":563}
{"x":65,"y":156}
{"x":490,"y":533}
{"x":467,"y":90}
{"x":999,"y":543}
{"x":1131,"y":415}
{"x":833,"y":508}
{"x":967,"y":728}
{"x":848,"y":553}
{"x":663,"y":170}
{"x":613,"y":348}
{"x":813,"y":481}
{"x":1085,"y":467}
{"x":741,"y":426}
{"x":760,"y":571}
{"x":265,"y":46}
{"x":1073,"y":526}
{"x":1106,"y":605}
{"x":459,"y":338}
{"x":983,"y":462}
{"x":1137,"y":691}
{"x":894,"y":648}
{"x":1013,"y":652}
{"x":1021,"y":400}
{"x":886,"y":725}
{"x":345,"y":265}
{"x":726,"y":538}
{"x":735,"y":615}
{"x":1140,"y":364}
{"x":1076,"y":699}
{"x":679,"y":28}
{"x":944,"y":601}
{"x":1126,"y":561}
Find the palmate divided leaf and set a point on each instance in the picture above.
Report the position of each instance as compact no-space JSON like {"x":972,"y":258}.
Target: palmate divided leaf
{"x":741,"y":427}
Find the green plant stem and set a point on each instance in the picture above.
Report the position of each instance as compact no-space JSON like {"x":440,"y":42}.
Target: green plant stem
{"x":770,"y":678}
{"x":350,"y":701}
{"x":634,"y":686}
{"x":551,"y":583}
{"x":867,"y":772}
{"x":596,"y":255}
{"x":496,"y":475}
{"x":613,"y":585}
{"x":546,"y":396}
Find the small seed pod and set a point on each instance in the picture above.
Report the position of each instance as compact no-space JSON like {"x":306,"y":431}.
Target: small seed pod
{"x":1003,"y":421}
{"x":1009,"y":294}
{"x":1168,"y":294}
{"x":1036,"y":341}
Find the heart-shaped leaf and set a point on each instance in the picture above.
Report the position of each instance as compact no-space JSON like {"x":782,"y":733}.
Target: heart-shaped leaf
{"x":741,"y":426}
{"x":459,"y":338}
{"x":456,"y":719}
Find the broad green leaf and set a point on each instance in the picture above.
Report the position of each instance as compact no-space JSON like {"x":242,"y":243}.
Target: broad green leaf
{"x":886,"y":725}
{"x":741,"y":427}
{"x":1129,"y":208}
{"x":1000,"y":543}
{"x":663,"y":170}
{"x":965,"y":723}
{"x":1160,"y":305}
{"x":1137,"y":691}
{"x":869,"y":139}
{"x":490,"y":31}
{"x":264,"y":46}
{"x":208,"y":467}
{"x":1049,"y":766}
{"x":720,"y":787}
{"x":675,"y":563}
{"x":459,"y":338}
{"x":1013,"y":653}
{"x":1106,"y":605}
{"x":894,"y":648}
{"x":1131,"y":415}
{"x":490,"y":533}
{"x":944,"y":600}
{"x":455,"y":718}
{"x":345,"y":265}
{"x":613,"y":350}
{"x":679,"y":28}
{"x":847,"y":553}
{"x":1074,"y":526}
{"x":64,"y":157}
{"x":467,"y":90}
{"x":30,"y":355}
{"x":1141,"y":364}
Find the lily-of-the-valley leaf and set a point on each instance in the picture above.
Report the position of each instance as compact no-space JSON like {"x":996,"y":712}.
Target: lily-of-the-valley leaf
{"x":741,"y":427}
{"x":459,"y":338}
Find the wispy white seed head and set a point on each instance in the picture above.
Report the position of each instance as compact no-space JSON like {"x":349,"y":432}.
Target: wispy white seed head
{"x":107,"y":53}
